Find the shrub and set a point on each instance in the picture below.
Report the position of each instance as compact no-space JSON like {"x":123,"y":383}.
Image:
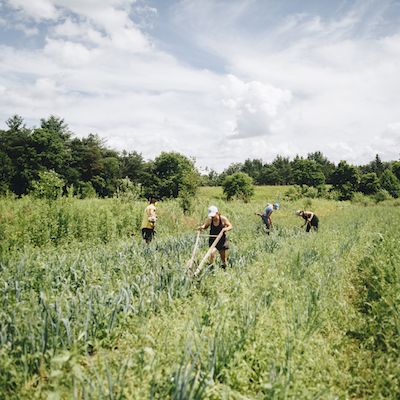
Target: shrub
{"x":49,"y":185}
{"x":310,"y":192}
{"x":293,"y":193}
{"x":360,"y":198}
{"x":382,"y":195}
{"x":238,"y":185}
{"x":128,"y":190}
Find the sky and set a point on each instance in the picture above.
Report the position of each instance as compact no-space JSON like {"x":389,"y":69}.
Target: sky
{"x":220,"y":81}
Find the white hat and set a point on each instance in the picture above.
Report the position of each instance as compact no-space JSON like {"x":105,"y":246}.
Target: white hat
{"x":212,"y":211}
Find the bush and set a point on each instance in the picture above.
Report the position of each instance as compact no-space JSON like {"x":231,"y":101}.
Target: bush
{"x":293,"y":193}
{"x":238,"y":185}
{"x":310,"y":192}
{"x":382,"y":195}
{"x":359,"y":198}
{"x":127,"y":190}
{"x":49,"y":185}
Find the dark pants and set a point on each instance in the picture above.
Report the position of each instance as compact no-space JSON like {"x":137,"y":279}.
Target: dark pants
{"x":313,"y":223}
{"x":147,"y":234}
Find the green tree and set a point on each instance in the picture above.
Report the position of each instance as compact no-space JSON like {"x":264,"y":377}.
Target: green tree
{"x":49,"y":185}
{"x":169,"y":175}
{"x":253,"y":168}
{"x":86,"y":163}
{"x":390,"y":183}
{"x":232,"y":169}
{"x":307,"y":172}
{"x":369,"y":183}
{"x":283,"y":169}
{"x":17,"y":147}
{"x":269,"y":175}
{"x":396,"y":169}
{"x":56,"y":125}
{"x":345,"y":180}
{"x":238,"y":185}
{"x":327,"y":166}
{"x":132,"y":165}
{"x":15,"y":123}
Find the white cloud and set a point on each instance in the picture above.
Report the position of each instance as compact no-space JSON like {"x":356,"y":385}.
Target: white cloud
{"x":256,"y":106}
{"x":309,"y":83}
{"x":36,"y":9}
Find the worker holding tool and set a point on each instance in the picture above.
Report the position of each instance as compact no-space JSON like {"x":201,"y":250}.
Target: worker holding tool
{"x":311,"y":220}
{"x":218,"y":224}
{"x":266,"y":215}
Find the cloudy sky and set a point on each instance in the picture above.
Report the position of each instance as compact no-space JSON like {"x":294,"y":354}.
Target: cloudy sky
{"x":218,"y":80}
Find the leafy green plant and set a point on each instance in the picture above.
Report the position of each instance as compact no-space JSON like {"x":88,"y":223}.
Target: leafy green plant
{"x":49,"y":185}
{"x":239,"y":186}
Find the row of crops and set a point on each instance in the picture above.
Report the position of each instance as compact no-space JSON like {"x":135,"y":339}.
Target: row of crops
{"x":88,"y":311}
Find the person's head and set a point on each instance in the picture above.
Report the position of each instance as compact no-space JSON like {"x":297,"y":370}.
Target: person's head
{"x":276,"y":206}
{"x":152,"y":200}
{"x":212,"y":211}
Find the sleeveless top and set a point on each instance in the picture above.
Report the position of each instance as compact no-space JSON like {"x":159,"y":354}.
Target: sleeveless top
{"x":215,"y":230}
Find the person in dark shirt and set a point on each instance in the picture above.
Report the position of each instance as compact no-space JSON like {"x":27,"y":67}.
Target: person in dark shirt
{"x":217,"y":223}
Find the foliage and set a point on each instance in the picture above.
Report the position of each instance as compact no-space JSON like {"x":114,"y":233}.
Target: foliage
{"x":307,"y":172}
{"x":239,"y":186}
{"x":396,"y":169}
{"x":128,"y":190}
{"x":345,"y":180}
{"x":87,"y":311}
{"x":362,"y":199}
{"x":390,"y":183}
{"x":169,"y":175}
{"x":49,"y":185}
{"x":382,"y":195}
{"x":326,"y":166}
{"x":369,"y":183}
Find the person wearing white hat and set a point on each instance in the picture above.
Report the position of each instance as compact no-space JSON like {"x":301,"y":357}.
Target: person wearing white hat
{"x":266,"y":215}
{"x":217,"y":223}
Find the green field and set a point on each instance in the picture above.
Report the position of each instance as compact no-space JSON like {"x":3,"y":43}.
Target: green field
{"x":87,"y":311}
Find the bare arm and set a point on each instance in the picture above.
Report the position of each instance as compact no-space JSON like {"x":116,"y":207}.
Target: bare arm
{"x":205,"y":225}
{"x":309,"y":216}
{"x":227,"y":225}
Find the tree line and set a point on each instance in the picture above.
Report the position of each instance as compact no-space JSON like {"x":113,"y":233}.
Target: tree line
{"x":49,"y":156}
{"x":316,"y":171}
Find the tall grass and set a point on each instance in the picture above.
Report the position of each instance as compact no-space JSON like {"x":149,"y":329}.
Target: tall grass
{"x":89,"y":311}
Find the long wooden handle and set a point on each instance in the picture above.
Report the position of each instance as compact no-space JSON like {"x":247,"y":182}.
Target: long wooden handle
{"x":208,"y":253}
{"x":190,"y":263}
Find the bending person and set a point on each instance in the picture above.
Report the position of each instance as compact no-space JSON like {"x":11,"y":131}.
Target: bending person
{"x":266,"y":215}
{"x":217,"y":223}
{"x":311,"y":220}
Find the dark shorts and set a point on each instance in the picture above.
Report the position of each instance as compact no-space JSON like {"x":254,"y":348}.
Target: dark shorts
{"x":223,"y":243}
{"x":266,"y":221}
{"x":314,"y":223}
{"x":147,"y":234}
